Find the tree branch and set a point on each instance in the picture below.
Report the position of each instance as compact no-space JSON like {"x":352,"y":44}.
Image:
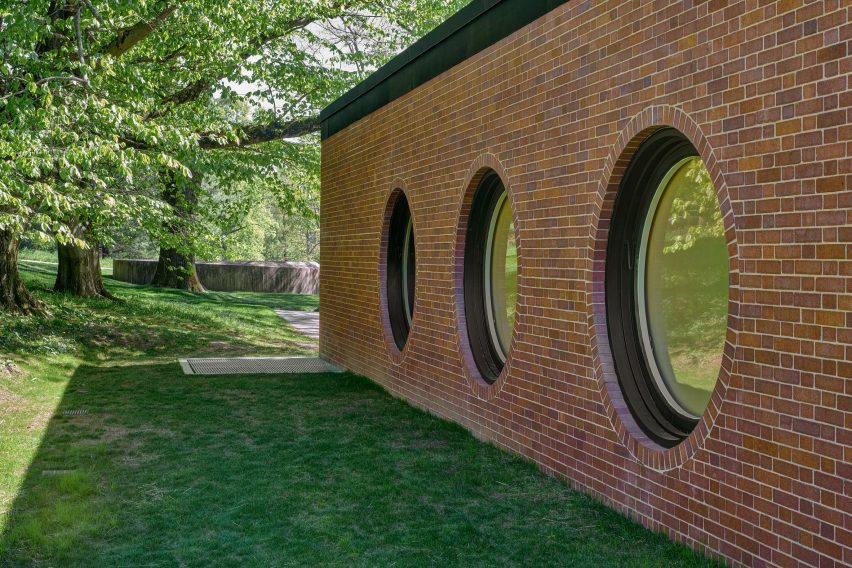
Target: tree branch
{"x":179,"y":52}
{"x":94,"y":12}
{"x":252,"y":134}
{"x":77,"y":80}
{"x":260,"y":133}
{"x":188,"y":93}
{"x":81,"y":58}
{"x":194,"y":90}
{"x":128,"y":37}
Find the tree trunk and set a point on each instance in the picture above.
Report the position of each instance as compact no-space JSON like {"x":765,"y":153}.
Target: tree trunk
{"x":79,"y":272}
{"x":14,"y":296}
{"x":176,"y":268}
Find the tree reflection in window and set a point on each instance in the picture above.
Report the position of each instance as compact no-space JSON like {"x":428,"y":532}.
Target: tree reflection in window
{"x":684,"y":265}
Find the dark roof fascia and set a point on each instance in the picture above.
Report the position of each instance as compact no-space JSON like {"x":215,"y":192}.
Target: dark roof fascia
{"x":467,"y":32}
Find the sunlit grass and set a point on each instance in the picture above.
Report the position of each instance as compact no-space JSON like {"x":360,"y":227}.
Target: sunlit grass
{"x":145,"y":324}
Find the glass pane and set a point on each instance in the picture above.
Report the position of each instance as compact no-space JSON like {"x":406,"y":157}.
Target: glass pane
{"x":686,"y":285}
{"x":408,"y":271}
{"x":504,"y":275}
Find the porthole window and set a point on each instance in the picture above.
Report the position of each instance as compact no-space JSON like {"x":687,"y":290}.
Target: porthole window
{"x":400,"y":271}
{"x":667,"y":281}
{"x":490,"y":276}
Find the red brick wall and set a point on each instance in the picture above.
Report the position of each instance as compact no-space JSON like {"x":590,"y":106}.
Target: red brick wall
{"x":762,"y":89}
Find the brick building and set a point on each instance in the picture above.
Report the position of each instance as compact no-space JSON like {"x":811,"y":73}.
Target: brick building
{"x":614,"y":237}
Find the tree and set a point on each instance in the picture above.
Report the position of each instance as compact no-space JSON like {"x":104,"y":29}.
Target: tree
{"x":96,"y":96}
{"x":285,"y":78}
{"x":275,"y":217}
{"x":61,"y":140}
{"x":176,"y":265}
{"x":13,"y":293}
{"x":79,"y":268}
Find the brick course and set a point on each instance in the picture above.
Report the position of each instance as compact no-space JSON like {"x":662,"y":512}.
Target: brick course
{"x":762,"y":90}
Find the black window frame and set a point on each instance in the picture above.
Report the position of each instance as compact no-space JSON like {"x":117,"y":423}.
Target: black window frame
{"x":486,"y":354}
{"x":400,"y":224}
{"x":653,"y":160}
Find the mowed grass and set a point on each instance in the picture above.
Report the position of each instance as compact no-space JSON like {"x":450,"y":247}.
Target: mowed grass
{"x":173,"y":470}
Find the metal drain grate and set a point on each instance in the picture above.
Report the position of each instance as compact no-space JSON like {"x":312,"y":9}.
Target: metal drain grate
{"x":257,"y":365}
{"x":57,"y":471}
{"x":74,"y":412}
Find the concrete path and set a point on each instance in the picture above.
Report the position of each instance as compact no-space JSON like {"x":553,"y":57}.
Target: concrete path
{"x":103,"y":268}
{"x":306,"y":323}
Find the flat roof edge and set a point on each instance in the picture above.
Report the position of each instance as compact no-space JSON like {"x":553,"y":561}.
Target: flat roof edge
{"x":467,"y":32}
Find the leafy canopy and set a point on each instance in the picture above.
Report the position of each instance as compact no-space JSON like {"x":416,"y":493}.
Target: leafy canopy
{"x":100,"y":101}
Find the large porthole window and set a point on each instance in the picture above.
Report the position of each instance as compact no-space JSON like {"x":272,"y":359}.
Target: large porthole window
{"x":490,"y":276}
{"x":667,"y":286}
{"x":400,"y":271}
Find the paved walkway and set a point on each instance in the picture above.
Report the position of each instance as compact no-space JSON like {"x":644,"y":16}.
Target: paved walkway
{"x":306,"y":323}
{"x":103,"y":268}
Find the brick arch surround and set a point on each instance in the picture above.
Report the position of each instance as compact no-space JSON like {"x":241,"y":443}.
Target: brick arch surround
{"x":397,"y":189}
{"x":477,"y":169}
{"x":763,"y":91}
{"x":629,"y":433}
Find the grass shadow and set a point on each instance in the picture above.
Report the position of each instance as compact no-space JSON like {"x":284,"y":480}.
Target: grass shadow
{"x":167,"y":469}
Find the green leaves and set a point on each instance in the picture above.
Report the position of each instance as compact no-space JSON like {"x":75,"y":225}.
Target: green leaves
{"x":93,"y":117}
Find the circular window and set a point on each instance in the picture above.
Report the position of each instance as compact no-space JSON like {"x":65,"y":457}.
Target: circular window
{"x":667,"y":287}
{"x":400,"y":271}
{"x":490,"y":276}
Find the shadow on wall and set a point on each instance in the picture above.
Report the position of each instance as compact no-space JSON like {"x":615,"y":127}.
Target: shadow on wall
{"x":164,"y":469}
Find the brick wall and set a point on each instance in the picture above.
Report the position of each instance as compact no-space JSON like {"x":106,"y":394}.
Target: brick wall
{"x":762,"y":89}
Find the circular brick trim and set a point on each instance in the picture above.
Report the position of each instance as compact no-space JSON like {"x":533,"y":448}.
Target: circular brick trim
{"x":640,"y":446}
{"x":480,"y":387}
{"x":398,"y":188}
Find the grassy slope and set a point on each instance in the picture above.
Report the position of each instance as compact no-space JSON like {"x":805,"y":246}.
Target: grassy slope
{"x":255,"y":471}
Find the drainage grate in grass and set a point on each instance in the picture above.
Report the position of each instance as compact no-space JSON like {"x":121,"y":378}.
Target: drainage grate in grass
{"x":78,"y":412}
{"x":256,"y":365}
{"x":57,"y":471}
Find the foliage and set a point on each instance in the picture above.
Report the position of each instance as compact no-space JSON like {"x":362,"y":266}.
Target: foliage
{"x":102,"y":103}
{"x":694,"y":213}
{"x":267,"y":233}
{"x":267,"y":227}
{"x":252,"y":220}
{"x":296,"y":238}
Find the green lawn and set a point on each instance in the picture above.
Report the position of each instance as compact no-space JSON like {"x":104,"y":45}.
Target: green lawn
{"x":174,"y":470}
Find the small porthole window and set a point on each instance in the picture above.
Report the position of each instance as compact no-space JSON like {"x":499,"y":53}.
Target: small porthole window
{"x":490,"y":276}
{"x":667,"y":281}
{"x":400,"y":271}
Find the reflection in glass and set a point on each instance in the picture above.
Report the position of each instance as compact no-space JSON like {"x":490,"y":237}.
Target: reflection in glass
{"x":682,"y":286}
{"x":502,"y":273}
{"x":408,"y":272}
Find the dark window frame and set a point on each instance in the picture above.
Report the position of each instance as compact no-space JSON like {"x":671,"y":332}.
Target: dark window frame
{"x":647,"y":169}
{"x":400,"y":223}
{"x":486,"y":354}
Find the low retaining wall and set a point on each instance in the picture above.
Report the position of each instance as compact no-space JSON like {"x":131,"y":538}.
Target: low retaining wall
{"x":134,"y":271}
{"x":288,"y":277}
